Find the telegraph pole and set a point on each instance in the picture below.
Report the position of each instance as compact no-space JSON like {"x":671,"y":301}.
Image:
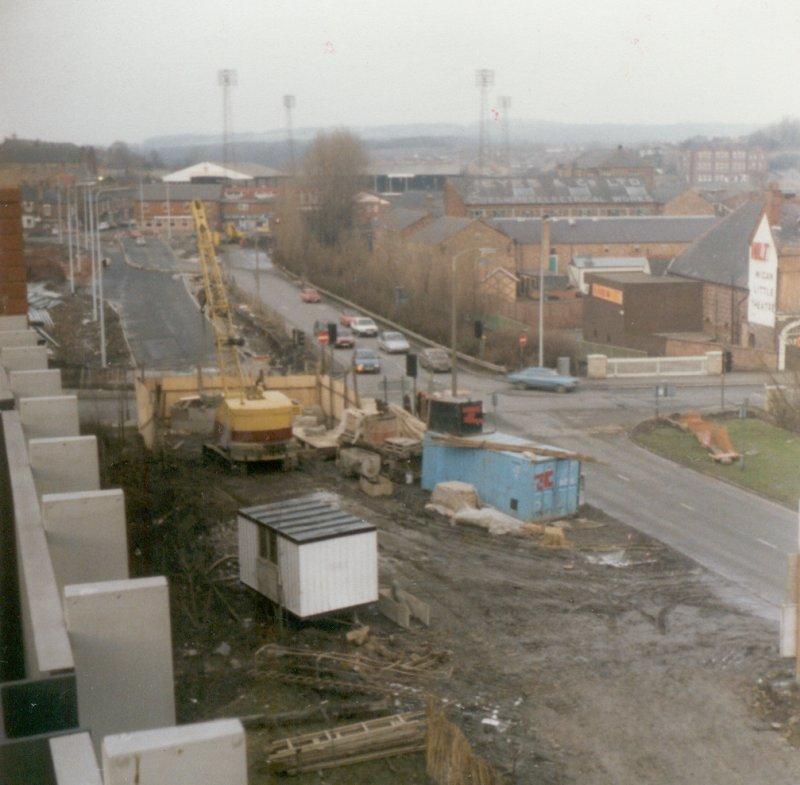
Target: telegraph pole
{"x":93,"y":249}
{"x":544,"y":252}
{"x":70,"y":244}
{"x":289,"y":102}
{"x":484,"y":79}
{"x":100,"y":286}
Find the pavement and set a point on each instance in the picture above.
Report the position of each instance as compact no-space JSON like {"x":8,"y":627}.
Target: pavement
{"x":737,"y":534}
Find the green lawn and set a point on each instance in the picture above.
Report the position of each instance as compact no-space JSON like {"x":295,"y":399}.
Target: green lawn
{"x":771,"y":456}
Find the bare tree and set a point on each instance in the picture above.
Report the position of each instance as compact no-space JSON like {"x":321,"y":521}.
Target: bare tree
{"x":333,"y":170}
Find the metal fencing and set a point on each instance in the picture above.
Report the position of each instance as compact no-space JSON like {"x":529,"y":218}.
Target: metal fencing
{"x":657,"y":366}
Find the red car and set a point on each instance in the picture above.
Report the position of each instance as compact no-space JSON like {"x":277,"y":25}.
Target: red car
{"x":346,"y":319}
{"x":309,"y":295}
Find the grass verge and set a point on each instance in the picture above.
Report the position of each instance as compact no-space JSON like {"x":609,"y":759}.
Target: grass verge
{"x":771,"y":456}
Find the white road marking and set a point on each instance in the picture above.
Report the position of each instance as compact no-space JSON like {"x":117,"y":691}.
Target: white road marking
{"x":687,"y":506}
{"x":623,"y":477}
{"x":768,"y":544}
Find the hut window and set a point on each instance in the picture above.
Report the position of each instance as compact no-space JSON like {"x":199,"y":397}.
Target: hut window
{"x":268,"y":544}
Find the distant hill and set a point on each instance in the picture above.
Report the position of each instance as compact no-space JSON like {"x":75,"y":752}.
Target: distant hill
{"x":530,"y":131}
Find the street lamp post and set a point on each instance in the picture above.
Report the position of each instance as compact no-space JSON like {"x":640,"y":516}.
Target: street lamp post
{"x":454,"y":314}
{"x":544,"y":252}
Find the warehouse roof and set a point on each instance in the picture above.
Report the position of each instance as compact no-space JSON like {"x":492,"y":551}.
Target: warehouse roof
{"x":400,"y":218}
{"x":608,"y":230}
{"x":180,"y":192}
{"x":619,"y":156}
{"x":637,"y":277}
{"x":440,"y":230}
{"x":209,"y":169}
{"x":722,"y":255}
{"x":548,"y":189}
{"x":600,"y":262}
{"x":305,"y":519}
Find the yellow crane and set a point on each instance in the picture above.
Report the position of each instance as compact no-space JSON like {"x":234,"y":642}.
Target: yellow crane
{"x":251,"y":423}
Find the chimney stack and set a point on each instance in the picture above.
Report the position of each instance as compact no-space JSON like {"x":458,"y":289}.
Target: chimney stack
{"x":13,"y":278}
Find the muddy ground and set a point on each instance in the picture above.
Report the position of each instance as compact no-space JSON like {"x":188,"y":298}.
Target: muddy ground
{"x":636,"y":673}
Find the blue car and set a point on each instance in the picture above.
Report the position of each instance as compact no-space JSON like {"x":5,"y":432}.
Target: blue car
{"x":538,"y":378}
{"x":366,"y":361}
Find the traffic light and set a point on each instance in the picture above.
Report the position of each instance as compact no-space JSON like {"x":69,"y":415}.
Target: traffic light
{"x":331,"y":333}
{"x":411,"y":365}
{"x":727,"y":361}
{"x":478,"y":329}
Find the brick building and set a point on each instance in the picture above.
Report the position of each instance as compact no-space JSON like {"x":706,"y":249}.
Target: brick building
{"x":528,"y":197}
{"x":722,"y":163}
{"x":737,"y":263}
{"x":638,"y":311}
{"x":168,"y":206}
{"x":654,"y":237}
{"x":619,"y":162}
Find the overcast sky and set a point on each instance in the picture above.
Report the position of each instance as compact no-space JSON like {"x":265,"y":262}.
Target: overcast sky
{"x":96,"y":71}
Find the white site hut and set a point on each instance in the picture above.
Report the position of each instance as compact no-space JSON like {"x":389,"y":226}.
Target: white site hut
{"x":307,"y":555}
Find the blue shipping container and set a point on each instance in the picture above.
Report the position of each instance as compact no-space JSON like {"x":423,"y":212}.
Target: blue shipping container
{"x":511,"y":482}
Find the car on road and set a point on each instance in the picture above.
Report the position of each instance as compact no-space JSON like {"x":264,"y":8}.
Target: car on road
{"x":346,"y":319}
{"x":435,"y":360}
{"x":140,"y":240}
{"x":393,"y":342}
{"x":309,"y":295}
{"x":344,"y":338}
{"x":321,"y":332}
{"x":366,"y":361}
{"x":538,"y":378}
{"x":363,"y":326}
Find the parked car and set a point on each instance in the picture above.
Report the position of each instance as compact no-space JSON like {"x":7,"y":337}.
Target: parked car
{"x":393,"y":342}
{"x":309,"y":295}
{"x":346,"y":319}
{"x":364,"y":326}
{"x":366,"y":361}
{"x":538,"y":378}
{"x":435,"y":360}
{"x":344,"y":338}
{"x":140,"y":240}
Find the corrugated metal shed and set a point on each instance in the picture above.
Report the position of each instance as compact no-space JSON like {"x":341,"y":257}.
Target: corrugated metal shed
{"x":307,"y":518}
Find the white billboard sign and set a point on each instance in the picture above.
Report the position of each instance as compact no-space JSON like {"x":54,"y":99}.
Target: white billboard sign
{"x":762,"y":277}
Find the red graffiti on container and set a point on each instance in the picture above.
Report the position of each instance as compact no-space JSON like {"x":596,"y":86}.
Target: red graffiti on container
{"x":544,"y":480}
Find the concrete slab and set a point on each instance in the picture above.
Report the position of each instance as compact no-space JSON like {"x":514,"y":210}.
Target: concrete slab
{"x":49,"y":416}
{"x":19,"y":338}
{"x":47,"y":647}
{"x":65,"y":464}
{"x":87,"y":536}
{"x":12,"y":323}
{"x":24,"y":358}
{"x":74,"y":761}
{"x":122,"y":643}
{"x":30,"y":384}
{"x":213,"y":753}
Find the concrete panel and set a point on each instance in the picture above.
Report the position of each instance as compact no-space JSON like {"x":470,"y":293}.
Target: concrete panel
{"x":121,"y":640}
{"x":31,"y":384}
{"x":47,"y":646}
{"x":24,"y":358}
{"x":19,"y":338}
{"x":212,"y":753}
{"x":49,"y":416}
{"x":87,"y":536}
{"x":13,"y":323}
{"x":74,"y":761}
{"x":65,"y":465}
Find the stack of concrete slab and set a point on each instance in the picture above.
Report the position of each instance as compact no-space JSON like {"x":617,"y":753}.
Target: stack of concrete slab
{"x":96,"y":644}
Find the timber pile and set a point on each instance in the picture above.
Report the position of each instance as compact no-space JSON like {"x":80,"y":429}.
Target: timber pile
{"x":384,"y":737}
{"x":450,"y":759}
{"x":373,"y":660}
